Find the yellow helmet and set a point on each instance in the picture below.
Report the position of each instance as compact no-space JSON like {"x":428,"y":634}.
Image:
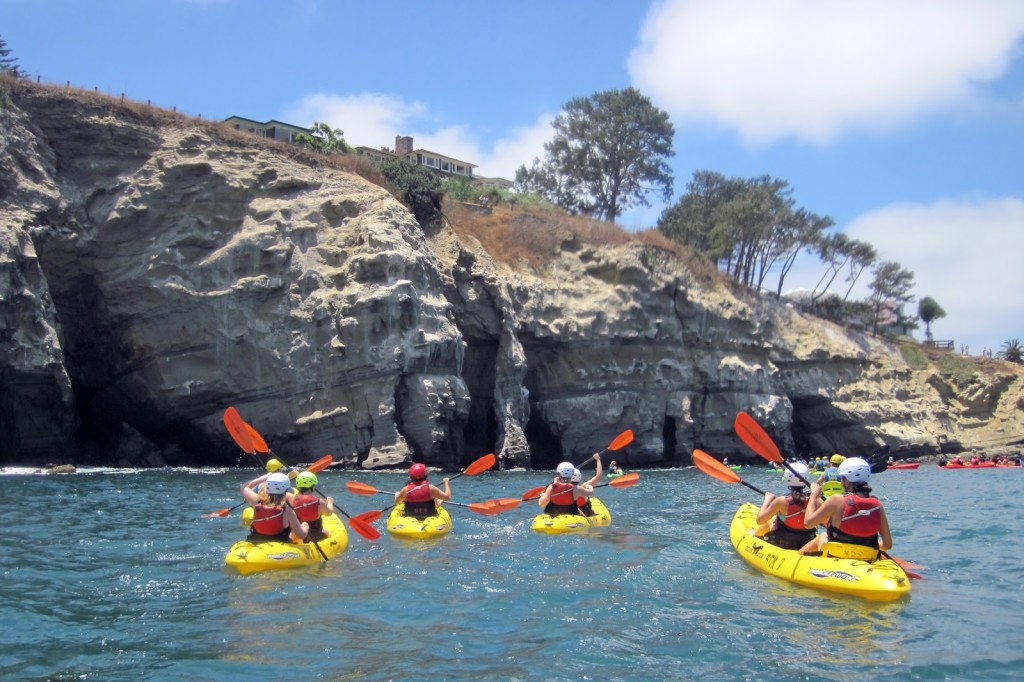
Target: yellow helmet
{"x":273,"y":465}
{"x":836,"y":459}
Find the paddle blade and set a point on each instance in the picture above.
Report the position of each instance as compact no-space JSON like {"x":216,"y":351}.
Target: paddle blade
{"x":713,"y":468}
{"x":625,"y":481}
{"x":236,"y":427}
{"x":879,"y":459}
{"x":363,"y":528}
{"x":257,"y":440}
{"x":369,"y":516}
{"x":503,"y":504}
{"x":756,"y":438}
{"x":219,"y":512}
{"x":480,"y":465}
{"x":358,"y":488}
{"x":533,"y":493}
{"x":622,"y":440}
{"x":320,"y":464}
{"x":484,"y":508}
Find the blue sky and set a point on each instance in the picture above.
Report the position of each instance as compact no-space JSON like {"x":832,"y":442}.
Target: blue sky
{"x":901,"y":119}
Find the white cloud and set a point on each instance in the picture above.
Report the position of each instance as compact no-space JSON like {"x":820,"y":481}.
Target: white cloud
{"x":964,"y":253}
{"x":375,"y":119}
{"x":812,"y":69}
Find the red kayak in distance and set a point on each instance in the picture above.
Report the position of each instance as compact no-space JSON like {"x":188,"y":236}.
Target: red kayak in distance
{"x":983,"y":465}
{"x":908,"y":465}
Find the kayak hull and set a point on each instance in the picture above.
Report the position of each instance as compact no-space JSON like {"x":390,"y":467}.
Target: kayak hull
{"x":560,"y":524}
{"x":881,"y":580}
{"x":412,"y":528}
{"x":246,"y":558}
{"x":602,"y":517}
{"x":909,"y":465}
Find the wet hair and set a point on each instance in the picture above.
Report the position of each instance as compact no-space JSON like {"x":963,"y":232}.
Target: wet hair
{"x":798,"y":494}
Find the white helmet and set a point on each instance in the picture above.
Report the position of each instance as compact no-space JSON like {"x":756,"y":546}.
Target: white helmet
{"x":565,"y":469}
{"x":855,"y":470}
{"x":791,"y":476}
{"x":577,"y":475}
{"x":278,"y":484}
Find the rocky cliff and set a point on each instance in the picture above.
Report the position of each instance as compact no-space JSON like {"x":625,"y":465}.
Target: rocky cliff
{"x":155,"y":269}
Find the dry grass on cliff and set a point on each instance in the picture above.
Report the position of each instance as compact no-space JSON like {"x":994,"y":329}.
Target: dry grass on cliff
{"x":516,"y":236}
{"x":102,"y":104}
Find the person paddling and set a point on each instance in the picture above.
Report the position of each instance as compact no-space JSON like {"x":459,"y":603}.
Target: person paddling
{"x":420,"y":497}
{"x":560,"y":495}
{"x":310,"y":508}
{"x":829,"y":479}
{"x":855,"y":517}
{"x":583,"y":503}
{"x":273,"y":518}
{"x":786,"y":513}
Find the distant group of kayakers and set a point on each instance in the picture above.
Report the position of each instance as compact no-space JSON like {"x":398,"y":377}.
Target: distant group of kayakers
{"x":981,"y":459}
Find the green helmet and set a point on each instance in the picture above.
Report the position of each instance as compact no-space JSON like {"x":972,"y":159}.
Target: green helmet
{"x":307,"y":479}
{"x":273,"y":465}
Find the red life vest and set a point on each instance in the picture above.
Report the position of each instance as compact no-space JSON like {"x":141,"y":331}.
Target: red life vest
{"x":418,"y":492}
{"x":861,"y":525}
{"x":307,"y":507}
{"x":794,"y":516}
{"x":267,"y":520}
{"x":561,"y":494}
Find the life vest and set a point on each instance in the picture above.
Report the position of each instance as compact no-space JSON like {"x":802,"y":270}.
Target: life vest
{"x":562,"y":494}
{"x":583,"y":504}
{"x":307,"y":507}
{"x":418,"y":492}
{"x":794,"y":516}
{"x":861,"y":522}
{"x":268,"y":520}
{"x":563,"y":500}
{"x":831,"y":485}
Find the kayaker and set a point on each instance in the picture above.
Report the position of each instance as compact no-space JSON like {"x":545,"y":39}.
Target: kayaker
{"x":583,"y":503}
{"x":787,"y":513}
{"x":273,"y":519}
{"x":855,"y":517}
{"x":560,"y":496}
{"x":829,"y":479}
{"x":272,"y":466}
{"x":309,"y":507}
{"x":420,"y":497}
{"x":613,"y":468}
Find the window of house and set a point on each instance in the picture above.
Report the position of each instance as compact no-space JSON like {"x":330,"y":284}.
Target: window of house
{"x":430,"y":161}
{"x":445,"y":166}
{"x":460,"y":169}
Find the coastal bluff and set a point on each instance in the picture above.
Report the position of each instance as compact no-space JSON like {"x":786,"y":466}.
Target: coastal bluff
{"x":156,"y":268}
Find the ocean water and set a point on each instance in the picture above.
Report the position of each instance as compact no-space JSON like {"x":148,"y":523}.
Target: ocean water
{"x":113,"y":575}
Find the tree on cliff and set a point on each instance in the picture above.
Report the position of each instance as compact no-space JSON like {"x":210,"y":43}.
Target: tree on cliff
{"x":8,"y":64}
{"x":929,"y":310}
{"x":418,"y":187}
{"x":748,"y":226}
{"x":889,"y":289}
{"x":1012,"y":351}
{"x":607,"y":155}
{"x":324,"y":139}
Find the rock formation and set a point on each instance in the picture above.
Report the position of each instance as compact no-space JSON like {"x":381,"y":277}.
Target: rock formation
{"x":155,"y":269}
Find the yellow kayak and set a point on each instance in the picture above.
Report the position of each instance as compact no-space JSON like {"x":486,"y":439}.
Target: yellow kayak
{"x":560,"y":523}
{"x":881,"y":580}
{"x":602,"y":517}
{"x":403,"y":526}
{"x":247,"y":558}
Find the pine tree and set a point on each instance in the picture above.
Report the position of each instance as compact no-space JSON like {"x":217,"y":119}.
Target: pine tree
{"x":8,"y":64}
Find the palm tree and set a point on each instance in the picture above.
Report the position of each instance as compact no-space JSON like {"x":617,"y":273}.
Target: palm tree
{"x":1012,"y":351}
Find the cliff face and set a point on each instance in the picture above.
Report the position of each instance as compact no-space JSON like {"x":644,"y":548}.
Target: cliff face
{"x":154,"y":270}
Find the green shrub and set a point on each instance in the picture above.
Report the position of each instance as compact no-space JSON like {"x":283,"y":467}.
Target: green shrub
{"x":418,"y":187}
{"x":957,"y":369}
{"x":914,"y":356}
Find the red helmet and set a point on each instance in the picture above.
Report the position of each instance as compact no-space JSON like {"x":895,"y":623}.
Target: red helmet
{"x":417,"y":472}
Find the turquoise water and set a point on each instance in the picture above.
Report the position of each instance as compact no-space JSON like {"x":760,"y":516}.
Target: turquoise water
{"x":126,"y":582}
